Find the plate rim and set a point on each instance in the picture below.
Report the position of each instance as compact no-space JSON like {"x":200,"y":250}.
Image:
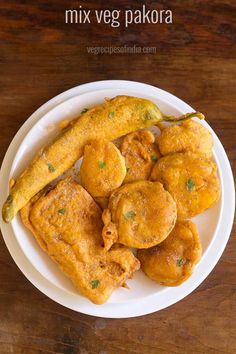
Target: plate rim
{"x":137,"y":309}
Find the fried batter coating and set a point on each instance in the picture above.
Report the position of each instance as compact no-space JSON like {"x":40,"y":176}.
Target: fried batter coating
{"x":172,"y":261}
{"x":67,"y":224}
{"x":140,"y":154}
{"x":108,"y":121}
{"x":103,"y":168}
{"x":102,"y":202}
{"x":191,"y":179}
{"x":140,"y":215}
{"x":189,"y":136}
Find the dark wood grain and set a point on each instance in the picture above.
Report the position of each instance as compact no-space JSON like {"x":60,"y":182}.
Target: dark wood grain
{"x":40,"y":57}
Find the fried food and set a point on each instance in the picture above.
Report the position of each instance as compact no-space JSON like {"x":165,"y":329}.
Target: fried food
{"x":108,"y":121}
{"x":172,"y":262}
{"x":67,"y":224}
{"x":139,"y":214}
{"x":103,"y":168}
{"x":189,"y":136}
{"x":102,"y":202}
{"x":140,"y":154}
{"x":191,"y":179}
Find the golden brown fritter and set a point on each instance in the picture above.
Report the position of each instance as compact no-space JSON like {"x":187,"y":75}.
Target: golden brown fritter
{"x":67,"y":224}
{"x":102,"y":202}
{"x":108,"y":121}
{"x":139,"y":214}
{"x":189,"y":136}
{"x":172,"y":261}
{"x":191,"y":179}
{"x":103,"y":168}
{"x":140,"y":154}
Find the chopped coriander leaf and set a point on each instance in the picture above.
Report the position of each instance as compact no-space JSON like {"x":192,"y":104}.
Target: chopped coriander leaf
{"x":101,"y":164}
{"x":179,"y":262}
{"x":154,"y":158}
{"x":95,"y":283}
{"x":111,"y":115}
{"x":129,"y":215}
{"x":61,"y":211}
{"x":190,"y":184}
{"x":51,"y":168}
{"x":84,"y":110}
{"x":127,"y":169}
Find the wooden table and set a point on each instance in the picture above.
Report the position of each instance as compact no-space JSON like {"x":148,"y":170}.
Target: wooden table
{"x":195,"y":59}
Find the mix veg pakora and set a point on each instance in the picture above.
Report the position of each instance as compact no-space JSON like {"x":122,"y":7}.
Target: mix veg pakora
{"x":189,"y":136}
{"x":192,"y":181}
{"x":103,"y":168}
{"x":139,"y":215}
{"x":137,"y":195}
{"x":67,"y":224}
{"x":140,"y":154}
{"x":108,"y":121}
{"x":172,"y":262}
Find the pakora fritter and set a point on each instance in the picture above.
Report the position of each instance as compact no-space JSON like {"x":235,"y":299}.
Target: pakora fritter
{"x":189,"y":136}
{"x":67,"y":224}
{"x":140,"y":154}
{"x":108,"y":121}
{"x":172,"y":261}
{"x":140,"y":214}
{"x":103,"y":168}
{"x":191,"y":179}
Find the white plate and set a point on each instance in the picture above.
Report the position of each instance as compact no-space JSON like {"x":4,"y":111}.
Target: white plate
{"x":145,"y":296}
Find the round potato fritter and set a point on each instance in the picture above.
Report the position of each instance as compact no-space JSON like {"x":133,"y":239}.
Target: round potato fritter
{"x":139,"y":215}
{"x":189,"y":136}
{"x":172,"y":262}
{"x":192,"y":181}
{"x":140,"y":154}
{"x":103,"y":168}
